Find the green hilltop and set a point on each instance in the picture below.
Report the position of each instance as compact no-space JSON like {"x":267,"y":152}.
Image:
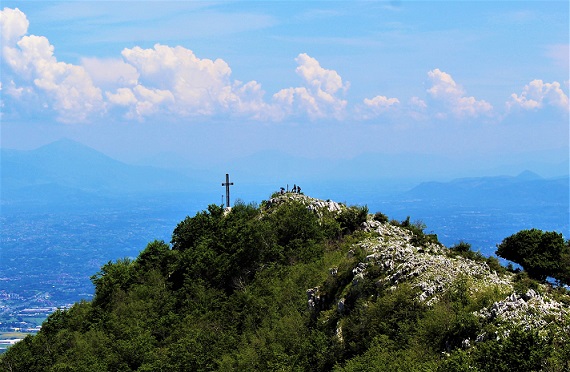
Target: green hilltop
{"x":301,"y":284}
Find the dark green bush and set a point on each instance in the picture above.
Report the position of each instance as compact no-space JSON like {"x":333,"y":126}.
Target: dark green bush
{"x":351,"y":218}
{"x":523,"y":283}
{"x":464,"y":250}
{"x":381,"y":217}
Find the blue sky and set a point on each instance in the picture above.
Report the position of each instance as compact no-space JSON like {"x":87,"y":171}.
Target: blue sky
{"x":486,"y":82}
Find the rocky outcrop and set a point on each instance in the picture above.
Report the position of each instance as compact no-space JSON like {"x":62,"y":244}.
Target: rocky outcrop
{"x":531,"y":310}
{"x":428,"y":268}
{"x":316,"y":205}
{"x":313,"y":299}
{"x":391,"y":256}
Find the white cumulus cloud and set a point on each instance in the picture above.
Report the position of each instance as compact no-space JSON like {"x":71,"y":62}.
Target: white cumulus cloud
{"x":538,"y":94}
{"x":186,"y":85}
{"x":67,"y":88}
{"x":452,"y":97}
{"x":141,"y":100}
{"x":247,"y":99}
{"x":13,"y":24}
{"x":318,"y":98}
{"x":196,"y":85}
{"x":376,"y":106}
{"x":123,"y":97}
{"x":111,"y":73}
{"x":381,"y":103}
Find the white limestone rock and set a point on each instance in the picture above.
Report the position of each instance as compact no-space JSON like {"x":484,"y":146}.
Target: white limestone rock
{"x":531,"y":310}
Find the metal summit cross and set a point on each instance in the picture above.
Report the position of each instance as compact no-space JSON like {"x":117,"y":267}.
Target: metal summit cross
{"x":227,"y":184}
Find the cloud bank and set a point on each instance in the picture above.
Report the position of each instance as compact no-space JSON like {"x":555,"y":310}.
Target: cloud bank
{"x":173,"y":82}
{"x":537,"y":95}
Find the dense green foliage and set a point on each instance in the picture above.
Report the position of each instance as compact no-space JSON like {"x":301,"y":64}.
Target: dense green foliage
{"x":541,"y":254}
{"x":230,"y":293}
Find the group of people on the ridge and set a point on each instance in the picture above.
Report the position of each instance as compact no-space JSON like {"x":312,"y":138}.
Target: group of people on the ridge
{"x":296,"y":189}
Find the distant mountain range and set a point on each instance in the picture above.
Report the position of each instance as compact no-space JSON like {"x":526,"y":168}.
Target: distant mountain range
{"x":412,"y":168}
{"x":67,"y":172}
{"x":526,"y":188}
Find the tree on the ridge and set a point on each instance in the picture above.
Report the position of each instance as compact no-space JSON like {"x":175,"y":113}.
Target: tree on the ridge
{"x":539,"y":253}
{"x":564,"y":270}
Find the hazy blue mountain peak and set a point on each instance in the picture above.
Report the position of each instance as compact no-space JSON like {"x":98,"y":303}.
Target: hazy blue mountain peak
{"x":528,"y":176}
{"x":66,"y":148}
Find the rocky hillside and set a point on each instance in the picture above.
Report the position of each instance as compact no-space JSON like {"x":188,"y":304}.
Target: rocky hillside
{"x":432,"y":269}
{"x":299,"y":283}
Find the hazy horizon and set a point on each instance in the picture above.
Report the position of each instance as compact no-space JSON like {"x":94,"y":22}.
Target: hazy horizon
{"x":276,"y":163}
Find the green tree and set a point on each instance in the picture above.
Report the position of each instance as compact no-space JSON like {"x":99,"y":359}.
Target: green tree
{"x":297,"y":232}
{"x":563,"y":275}
{"x":521,"y":350}
{"x":112,"y":277}
{"x":352,"y":217}
{"x":538,"y":252}
{"x":223,"y":250}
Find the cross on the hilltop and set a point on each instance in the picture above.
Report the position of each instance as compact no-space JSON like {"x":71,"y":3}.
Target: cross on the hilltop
{"x":227,"y":184}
